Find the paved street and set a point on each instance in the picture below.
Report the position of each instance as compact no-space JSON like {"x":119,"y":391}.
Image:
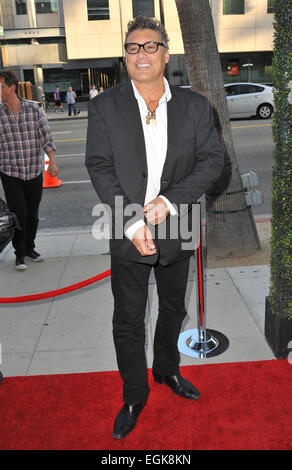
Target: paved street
{"x":71,"y":204}
{"x":254,"y":148}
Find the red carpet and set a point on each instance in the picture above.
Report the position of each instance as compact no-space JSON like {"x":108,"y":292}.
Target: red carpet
{"x":243,"y":406}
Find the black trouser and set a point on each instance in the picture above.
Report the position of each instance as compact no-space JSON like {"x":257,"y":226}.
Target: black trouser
{"x":70,"y":107}
{"x":130,"y":290}
{"x":23,"y":198}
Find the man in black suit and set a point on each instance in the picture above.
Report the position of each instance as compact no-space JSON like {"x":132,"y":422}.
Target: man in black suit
{"x":155,"y":149}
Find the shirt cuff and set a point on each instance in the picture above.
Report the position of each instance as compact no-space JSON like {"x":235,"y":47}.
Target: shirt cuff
{"x":133,"y":228}
{"x":169,"y":205}
{"x":49,"y":146}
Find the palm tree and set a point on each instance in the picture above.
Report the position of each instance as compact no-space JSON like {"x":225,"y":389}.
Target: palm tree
{"x":230,"y":227}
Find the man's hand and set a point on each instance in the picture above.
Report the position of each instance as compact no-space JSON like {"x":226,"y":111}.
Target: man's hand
{"x":53,"y":169}
{"x":143,"y":242}
{"x":156,"y":211}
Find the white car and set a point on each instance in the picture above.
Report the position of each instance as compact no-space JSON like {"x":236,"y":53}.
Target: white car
{"x":249,"y":99}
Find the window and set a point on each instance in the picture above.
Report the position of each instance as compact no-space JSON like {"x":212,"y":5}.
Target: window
{"x":231,"y":90}
{"x":20,"y":7}
{"x":233,"y":7}
{"x":270,"y":6}
{"x":255,"y":89}
{"x":46,"y":6}
{"x":41,"y":6}
{"x":98,"y":10}
{"x":143,"y":7}
{"x":242,"y":89}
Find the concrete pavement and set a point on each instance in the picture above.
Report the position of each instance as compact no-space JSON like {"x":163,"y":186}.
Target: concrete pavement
{"x":63,"y":116}
{"x":72,"y":332}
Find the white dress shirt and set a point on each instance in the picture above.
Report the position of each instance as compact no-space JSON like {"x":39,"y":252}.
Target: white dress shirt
{"x":155,"y":135}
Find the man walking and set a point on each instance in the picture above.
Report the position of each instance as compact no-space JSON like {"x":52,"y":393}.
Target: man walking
{"x":155,"y":146}
{"x":57,"y":99}
{"x":24,"y":134}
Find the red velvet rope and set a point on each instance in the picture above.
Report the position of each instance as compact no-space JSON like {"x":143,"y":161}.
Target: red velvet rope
{"x":54,"y":293}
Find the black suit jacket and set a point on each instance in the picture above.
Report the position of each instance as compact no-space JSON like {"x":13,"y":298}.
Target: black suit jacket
{"x":116,"y":160}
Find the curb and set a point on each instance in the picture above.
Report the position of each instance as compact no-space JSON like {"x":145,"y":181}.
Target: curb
{"x":66,"y":118}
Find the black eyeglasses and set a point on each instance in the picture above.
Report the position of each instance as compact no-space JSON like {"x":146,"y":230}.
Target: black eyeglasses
{"x":150,"y":47}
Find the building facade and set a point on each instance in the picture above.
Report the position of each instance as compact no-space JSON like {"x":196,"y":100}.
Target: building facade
{"x":80,"y":42}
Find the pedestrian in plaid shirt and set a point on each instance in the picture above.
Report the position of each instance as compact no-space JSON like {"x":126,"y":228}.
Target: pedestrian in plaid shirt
{"x":24,"y":134}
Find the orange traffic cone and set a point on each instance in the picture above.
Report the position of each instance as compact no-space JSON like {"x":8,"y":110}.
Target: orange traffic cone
{"x":50,"y":181}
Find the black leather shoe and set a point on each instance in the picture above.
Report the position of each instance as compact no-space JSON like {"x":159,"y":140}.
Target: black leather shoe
{"x":126,"y":420}
{"x":178,"y":385}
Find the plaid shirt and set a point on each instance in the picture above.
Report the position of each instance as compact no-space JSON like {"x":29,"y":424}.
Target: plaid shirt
{"x":22,"y":139}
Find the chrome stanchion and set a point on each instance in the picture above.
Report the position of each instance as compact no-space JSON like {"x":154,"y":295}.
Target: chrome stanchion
{"x":201,"y":342}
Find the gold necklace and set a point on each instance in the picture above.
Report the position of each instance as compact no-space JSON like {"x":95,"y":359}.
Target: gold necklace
{"x":150,"y":116}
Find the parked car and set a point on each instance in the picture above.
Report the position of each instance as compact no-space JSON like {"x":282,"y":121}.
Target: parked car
{"x":249,"y":99}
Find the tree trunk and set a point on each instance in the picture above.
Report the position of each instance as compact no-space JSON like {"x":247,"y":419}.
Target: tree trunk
{"x":230,"y":225}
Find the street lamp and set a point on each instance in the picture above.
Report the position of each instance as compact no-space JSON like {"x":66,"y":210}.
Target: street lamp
{"x":248,"y":70}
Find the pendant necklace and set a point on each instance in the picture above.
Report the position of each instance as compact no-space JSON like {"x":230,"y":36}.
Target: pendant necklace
{"x":150,"y":116}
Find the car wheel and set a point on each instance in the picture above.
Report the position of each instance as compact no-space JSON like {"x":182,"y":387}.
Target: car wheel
{"x":264,"y":111}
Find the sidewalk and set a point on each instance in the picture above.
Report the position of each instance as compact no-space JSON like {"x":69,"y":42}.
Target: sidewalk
{"x":63,"y":116}
{"x":73,"y":333}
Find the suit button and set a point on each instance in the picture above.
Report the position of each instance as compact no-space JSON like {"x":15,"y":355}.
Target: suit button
{"x":144,"y":174}
{"x":164,"y":182}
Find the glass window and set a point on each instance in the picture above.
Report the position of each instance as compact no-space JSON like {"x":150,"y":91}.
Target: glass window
{"x":270,"y":6}
{"x":244,"y":89}
{"x":233,"y":7}
{"x":231,"y":90}
{"x":143,"y":7}
{"x":46,"y":6}
{"x":256,"y":89}
{"x":20,"y":7}
{"x":248,"y":88}
{"x":98,"y":10}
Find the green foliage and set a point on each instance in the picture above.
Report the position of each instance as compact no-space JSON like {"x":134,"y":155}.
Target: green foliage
{"x":281,"y":243}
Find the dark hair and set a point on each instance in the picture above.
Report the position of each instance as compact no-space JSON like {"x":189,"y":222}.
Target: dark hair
{"x":143,"y":22}
{"x":9,"y":78}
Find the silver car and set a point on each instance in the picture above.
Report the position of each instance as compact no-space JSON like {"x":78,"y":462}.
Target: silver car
{"x":249,"y":99}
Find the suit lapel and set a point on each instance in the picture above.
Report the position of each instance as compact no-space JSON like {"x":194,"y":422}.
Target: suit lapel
{"x":131,"y":117}
{"x":136,"y":151}
{"x":176,"y":115}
